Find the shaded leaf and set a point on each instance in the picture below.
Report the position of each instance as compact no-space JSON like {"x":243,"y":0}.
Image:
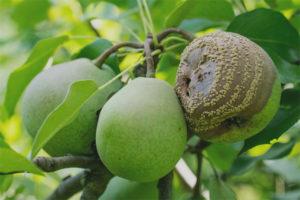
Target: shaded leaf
{"x":21,"y":77}
{"x":209,"y":9}
{"x":270,"y":29}
{"x":287,"y":115}
{"x":295,"y":21}
{"x":196,"y":25}
{"x":288,"y":72}
{"x":167,"y":67}
{"x":95,"y":49}
{"x":218,"y":189}
{"x":221,"y":155}
{"x":79,"y":92}
{"x":243,"y":163}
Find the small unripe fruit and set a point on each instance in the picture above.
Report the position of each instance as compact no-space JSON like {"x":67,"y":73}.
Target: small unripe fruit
{"x":141,"y":131}
{"x":228,"y":87}
{"x":122,"y":189}
{"x":49,"y":88}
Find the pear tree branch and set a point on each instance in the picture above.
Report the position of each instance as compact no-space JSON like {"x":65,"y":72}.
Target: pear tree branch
{"x":68,"y":187}
{"x":101,"y":59}
{"x":168,"y":31}
{"x":50,"y":164}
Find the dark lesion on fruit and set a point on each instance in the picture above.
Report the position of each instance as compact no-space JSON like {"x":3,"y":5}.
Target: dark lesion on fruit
{"x":233,"y":121}
{"x":187,"y":82}
{"x":200,"y":78}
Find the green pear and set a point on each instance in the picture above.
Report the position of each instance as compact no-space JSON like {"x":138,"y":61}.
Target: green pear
{"x":122,"y":189}
{"x":228,"y":86}
{"x":48,"y":89}
{"x":141,"y":132}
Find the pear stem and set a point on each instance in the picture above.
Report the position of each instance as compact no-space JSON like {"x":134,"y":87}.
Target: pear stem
{"x":165,"y":187}
{"x":149,"y":58}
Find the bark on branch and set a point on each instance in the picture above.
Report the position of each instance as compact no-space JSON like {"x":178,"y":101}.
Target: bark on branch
{"x":149,"y":58}
{"x":101,"y":59}
{"x":68,"y":187}
{"x":168,"y":31}
{"x":50,"y":164}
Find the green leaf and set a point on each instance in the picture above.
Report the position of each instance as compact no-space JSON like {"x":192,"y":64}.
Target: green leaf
{"x":287,"y":115}
{"x":5,"y":183}
{"x":219,"y":10}
{"x":278,"y":150}
{"x":218,"y":189}
{"x":221,"y":155}
{"x":196,"y":25}
{"x":79,"y":92}
{"x":243,"y":163}
{"x":270,"y":29}
{"x":30,"y":12}
{"x":11,"y":161}
{"x":167,"y":67}
{"x":288,"y":72}
{"x":295,"y":21}
{"x":21,"y":77}
{"x":3,"y":113}
{"x":95,"y":49}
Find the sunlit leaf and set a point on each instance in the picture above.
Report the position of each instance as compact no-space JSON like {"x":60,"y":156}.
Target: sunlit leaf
{"x":64,"y":113}
{"x":11,"y":161}
{"x":209,"y":9}
{"x":21,"y":77}
{"x":30,"y":12}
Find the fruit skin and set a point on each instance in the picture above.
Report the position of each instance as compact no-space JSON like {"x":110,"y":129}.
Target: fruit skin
{"x":48,"y":89}
{"x":228,"y":86}
{"x":141,"y":132}
{"x":122,"y":189}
